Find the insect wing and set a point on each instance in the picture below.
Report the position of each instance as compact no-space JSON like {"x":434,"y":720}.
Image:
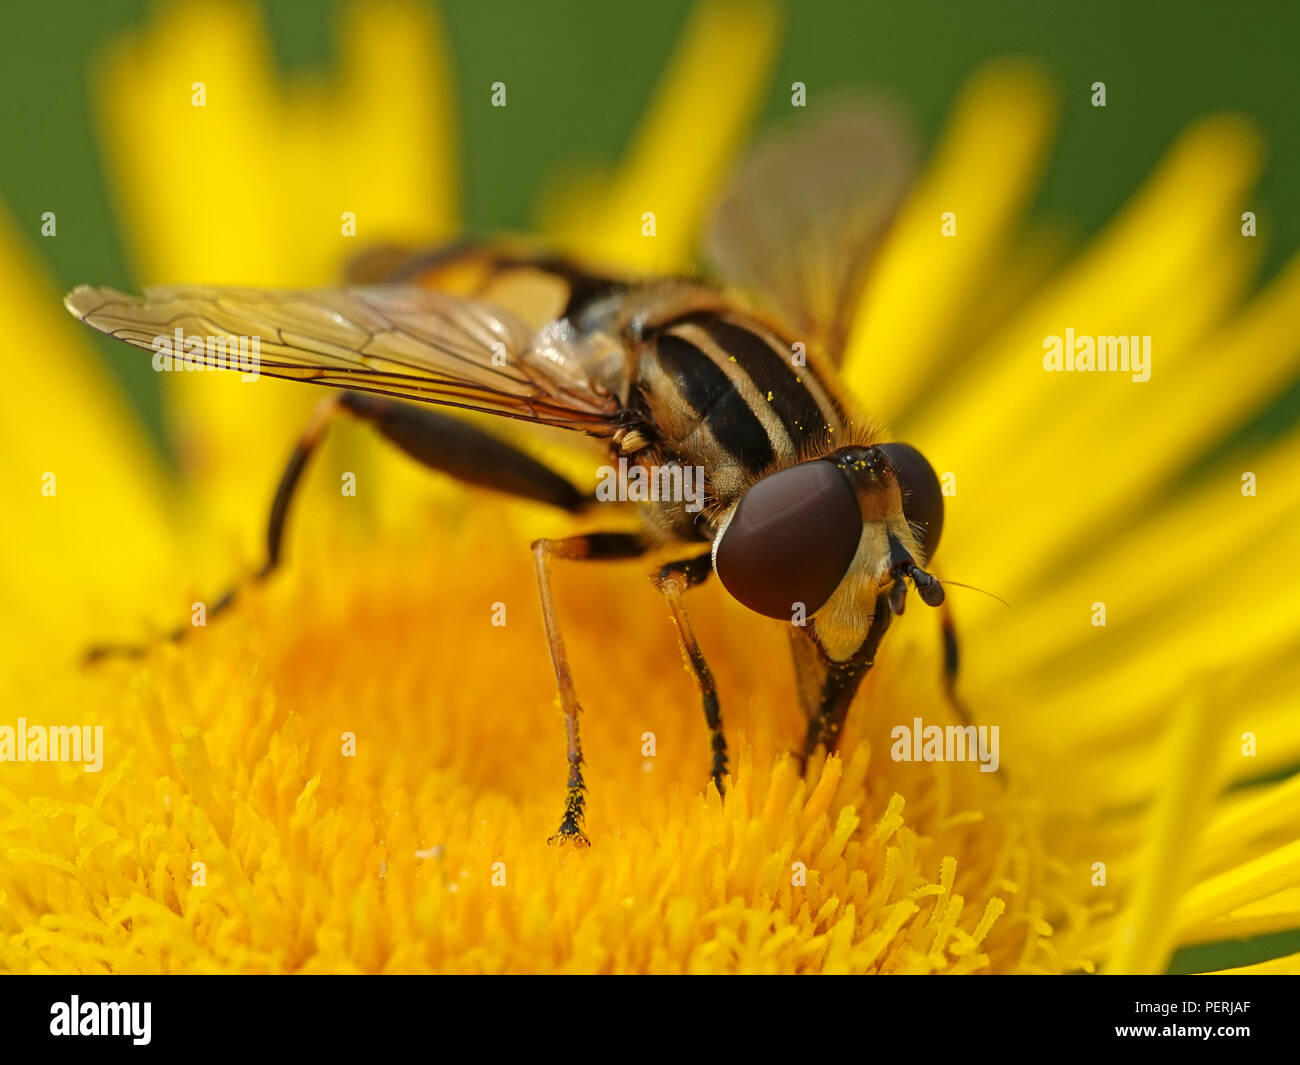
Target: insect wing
{"x":401,"y":341}
{"x":804,"y":216}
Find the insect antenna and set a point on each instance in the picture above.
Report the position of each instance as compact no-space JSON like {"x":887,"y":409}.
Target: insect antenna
{"x":971,"y":587}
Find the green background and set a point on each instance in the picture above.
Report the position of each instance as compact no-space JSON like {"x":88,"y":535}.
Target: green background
{"x":585,"y":69}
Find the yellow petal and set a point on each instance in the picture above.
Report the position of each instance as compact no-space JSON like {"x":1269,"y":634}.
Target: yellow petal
{"x":916,"y":310}
{"x":701,"y":109}
{"x":1145,"y":937}
{"x":1289,"y":965}
{"x":266,"y":184}
{"x":84,"y":524}
{"x":1142,"y":272}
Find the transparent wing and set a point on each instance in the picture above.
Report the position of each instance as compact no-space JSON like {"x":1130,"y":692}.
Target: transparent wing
{"x":407,"y":342}
{"x":805,"y":214}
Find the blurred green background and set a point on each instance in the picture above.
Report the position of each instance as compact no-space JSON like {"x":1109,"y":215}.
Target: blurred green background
{"x":580,"y":72}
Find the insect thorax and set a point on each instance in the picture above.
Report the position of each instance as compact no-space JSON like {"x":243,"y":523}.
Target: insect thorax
{"x":724,"y":392}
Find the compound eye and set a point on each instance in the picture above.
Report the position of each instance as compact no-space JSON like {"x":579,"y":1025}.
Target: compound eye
{"x":790,"y":540}
{"x":922,"y":495}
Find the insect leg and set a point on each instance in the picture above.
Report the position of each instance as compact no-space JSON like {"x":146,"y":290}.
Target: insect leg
{"x":302,"y":451}
{"x":439,"y":441}
{"x":841,"y":684}
{"x":470,"y":454}
{"x":951,"y":664}
{"x":672,"y":580}
{"x":591,"y":547}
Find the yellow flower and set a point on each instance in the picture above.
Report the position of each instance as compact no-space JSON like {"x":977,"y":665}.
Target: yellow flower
{"x":235,"y":826}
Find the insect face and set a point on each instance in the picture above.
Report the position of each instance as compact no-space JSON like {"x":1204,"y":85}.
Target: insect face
{"x":850,"y":525}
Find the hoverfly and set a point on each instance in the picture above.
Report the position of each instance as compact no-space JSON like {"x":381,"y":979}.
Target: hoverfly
{"x":808,"y":516}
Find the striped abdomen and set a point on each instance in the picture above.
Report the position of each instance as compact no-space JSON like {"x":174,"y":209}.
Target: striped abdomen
{"x":726,"y":394}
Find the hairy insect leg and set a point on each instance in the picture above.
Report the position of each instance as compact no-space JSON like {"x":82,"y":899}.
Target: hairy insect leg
{"x":439,"y":441}
{"x":591,"y":547}
{"x":672,"y":580}
{"x":841,"y":683}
